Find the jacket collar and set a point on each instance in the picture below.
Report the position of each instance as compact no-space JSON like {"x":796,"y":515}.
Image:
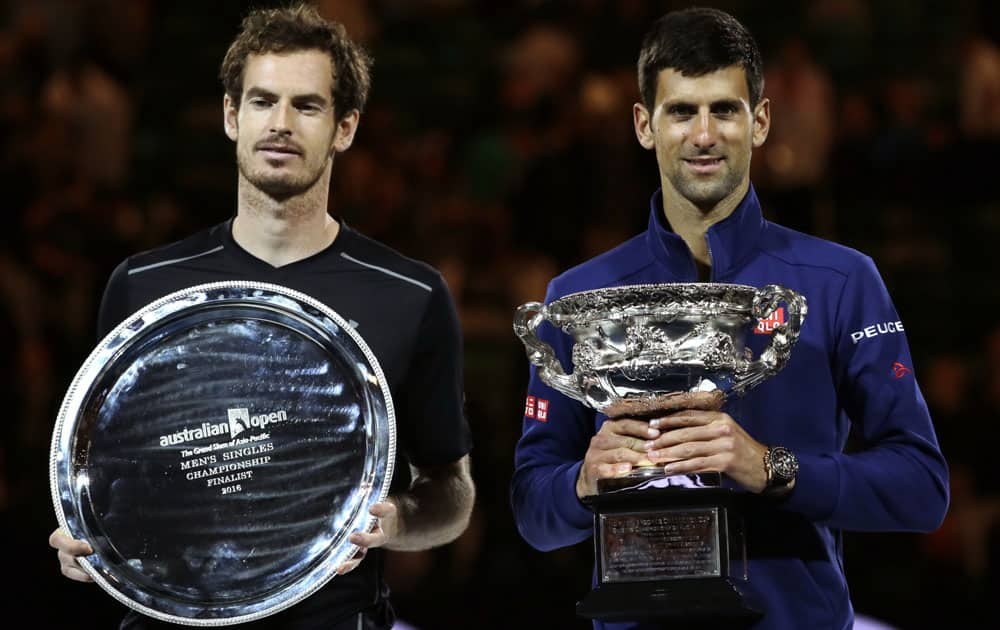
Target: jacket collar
{"x":730,"y":241}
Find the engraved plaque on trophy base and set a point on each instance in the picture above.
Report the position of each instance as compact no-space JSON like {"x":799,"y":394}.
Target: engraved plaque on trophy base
{"x":670,"y":553}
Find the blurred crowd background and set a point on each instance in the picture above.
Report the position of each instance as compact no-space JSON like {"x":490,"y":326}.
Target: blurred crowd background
{"x":498,"y":146}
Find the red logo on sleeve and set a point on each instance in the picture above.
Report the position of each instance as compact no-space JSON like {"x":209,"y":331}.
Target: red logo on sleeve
{"x":767,"y":326}
{"x":537,"y":408}
{"x":900,"y":370}
{"x":543,"y":410}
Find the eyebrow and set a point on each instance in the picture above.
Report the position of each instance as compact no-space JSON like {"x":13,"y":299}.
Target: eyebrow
{"x":722,"y":102}
{"x":299,"y":98}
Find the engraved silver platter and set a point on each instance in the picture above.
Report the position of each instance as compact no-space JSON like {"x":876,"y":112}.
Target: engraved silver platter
{"x":217,"y":449}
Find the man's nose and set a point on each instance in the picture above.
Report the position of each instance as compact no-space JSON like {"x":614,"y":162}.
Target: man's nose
{"x":704,"y":133}
{"x":281,"y":120}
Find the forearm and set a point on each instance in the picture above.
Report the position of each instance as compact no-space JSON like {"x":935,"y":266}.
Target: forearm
{"x":893,"y":487}
{"x":546,"y":508}
{"x":547,"y":463}
{"x":436,"y":508}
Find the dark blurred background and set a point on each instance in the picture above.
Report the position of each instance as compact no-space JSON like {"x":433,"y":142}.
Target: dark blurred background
{"x":498,"y":146}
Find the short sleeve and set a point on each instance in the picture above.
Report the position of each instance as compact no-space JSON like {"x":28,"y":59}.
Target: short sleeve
{"x":114,"y":302}
{"x":430,"y":414}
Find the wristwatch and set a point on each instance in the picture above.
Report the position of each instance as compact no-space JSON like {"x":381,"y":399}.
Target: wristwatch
{"x":781,"y":466}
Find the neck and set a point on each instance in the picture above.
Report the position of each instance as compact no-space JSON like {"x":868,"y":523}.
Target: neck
{"x":691,"y":222}
{"x":283,"y":231}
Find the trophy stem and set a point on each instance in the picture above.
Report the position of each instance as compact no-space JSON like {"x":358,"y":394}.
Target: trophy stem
{"x":643,"y":477}
{"x":646,"y":472}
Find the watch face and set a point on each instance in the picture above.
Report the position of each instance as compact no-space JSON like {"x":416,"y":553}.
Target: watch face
{"x":784,"y":464}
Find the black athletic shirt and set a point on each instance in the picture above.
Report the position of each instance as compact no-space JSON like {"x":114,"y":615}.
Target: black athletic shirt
{"x":404,"y":313}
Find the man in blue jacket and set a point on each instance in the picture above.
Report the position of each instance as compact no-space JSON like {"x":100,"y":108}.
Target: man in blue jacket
{"x":703,"y":113}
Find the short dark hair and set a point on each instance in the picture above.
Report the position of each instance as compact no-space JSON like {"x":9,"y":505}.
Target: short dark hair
{"x":696,"y":42}
{"x":295,"y":28}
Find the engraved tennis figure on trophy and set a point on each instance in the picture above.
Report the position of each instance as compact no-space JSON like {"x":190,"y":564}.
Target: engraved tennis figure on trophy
{"x":665,"y":547}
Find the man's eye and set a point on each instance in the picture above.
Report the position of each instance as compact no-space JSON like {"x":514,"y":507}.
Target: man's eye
{"x":259,"y":102}
{"x":681,"y":112}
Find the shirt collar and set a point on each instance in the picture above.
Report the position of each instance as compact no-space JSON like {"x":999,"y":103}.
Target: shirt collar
{"x":730,"y":241}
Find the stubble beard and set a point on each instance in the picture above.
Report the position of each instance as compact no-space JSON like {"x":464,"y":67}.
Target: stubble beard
{"x":706,"y":194}
{"x":278,"y":186}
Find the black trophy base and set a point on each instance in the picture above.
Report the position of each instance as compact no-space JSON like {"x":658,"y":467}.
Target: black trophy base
{"x":671,"y":550}
{"x":714,"y":601}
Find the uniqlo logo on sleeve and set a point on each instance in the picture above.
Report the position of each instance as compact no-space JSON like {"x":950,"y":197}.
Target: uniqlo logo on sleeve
{"x":767,"y":326}
{"x":543,"y":410}
{"x":529,"y":407}
{"x":537,"y":408}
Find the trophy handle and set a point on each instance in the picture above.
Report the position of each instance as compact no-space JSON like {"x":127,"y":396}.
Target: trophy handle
{"x":784,"y":336}
{"x":527,"y":318}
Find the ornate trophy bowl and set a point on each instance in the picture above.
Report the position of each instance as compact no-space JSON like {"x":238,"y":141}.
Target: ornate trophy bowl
{"x":216,"y":450}
{"x":637,"y":347}
{"x":666,"y":548}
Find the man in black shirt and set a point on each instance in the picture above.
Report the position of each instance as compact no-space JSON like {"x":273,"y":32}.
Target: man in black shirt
{"x":295,"y":86}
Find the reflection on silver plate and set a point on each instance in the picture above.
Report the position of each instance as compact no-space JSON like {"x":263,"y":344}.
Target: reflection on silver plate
{"x":216,"y":450}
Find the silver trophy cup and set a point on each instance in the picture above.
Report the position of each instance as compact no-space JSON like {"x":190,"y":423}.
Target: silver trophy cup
{"x":638,"y":346}
{"x":666,"y":548}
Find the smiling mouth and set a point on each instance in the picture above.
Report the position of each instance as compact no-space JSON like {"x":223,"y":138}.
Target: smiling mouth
{"x":704,"y":164}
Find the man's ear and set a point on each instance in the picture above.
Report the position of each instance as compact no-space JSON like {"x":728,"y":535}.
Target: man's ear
{"x":761,"y":122}
{"x":343,"y":135}
{"x":230,"y":117}
{"x":642,"y":119}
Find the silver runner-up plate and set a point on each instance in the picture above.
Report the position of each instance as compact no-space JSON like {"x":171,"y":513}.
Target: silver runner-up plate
{"x":217,"y":449}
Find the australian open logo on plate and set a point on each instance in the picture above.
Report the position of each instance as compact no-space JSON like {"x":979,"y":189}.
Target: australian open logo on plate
{"x":239,"y":420}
